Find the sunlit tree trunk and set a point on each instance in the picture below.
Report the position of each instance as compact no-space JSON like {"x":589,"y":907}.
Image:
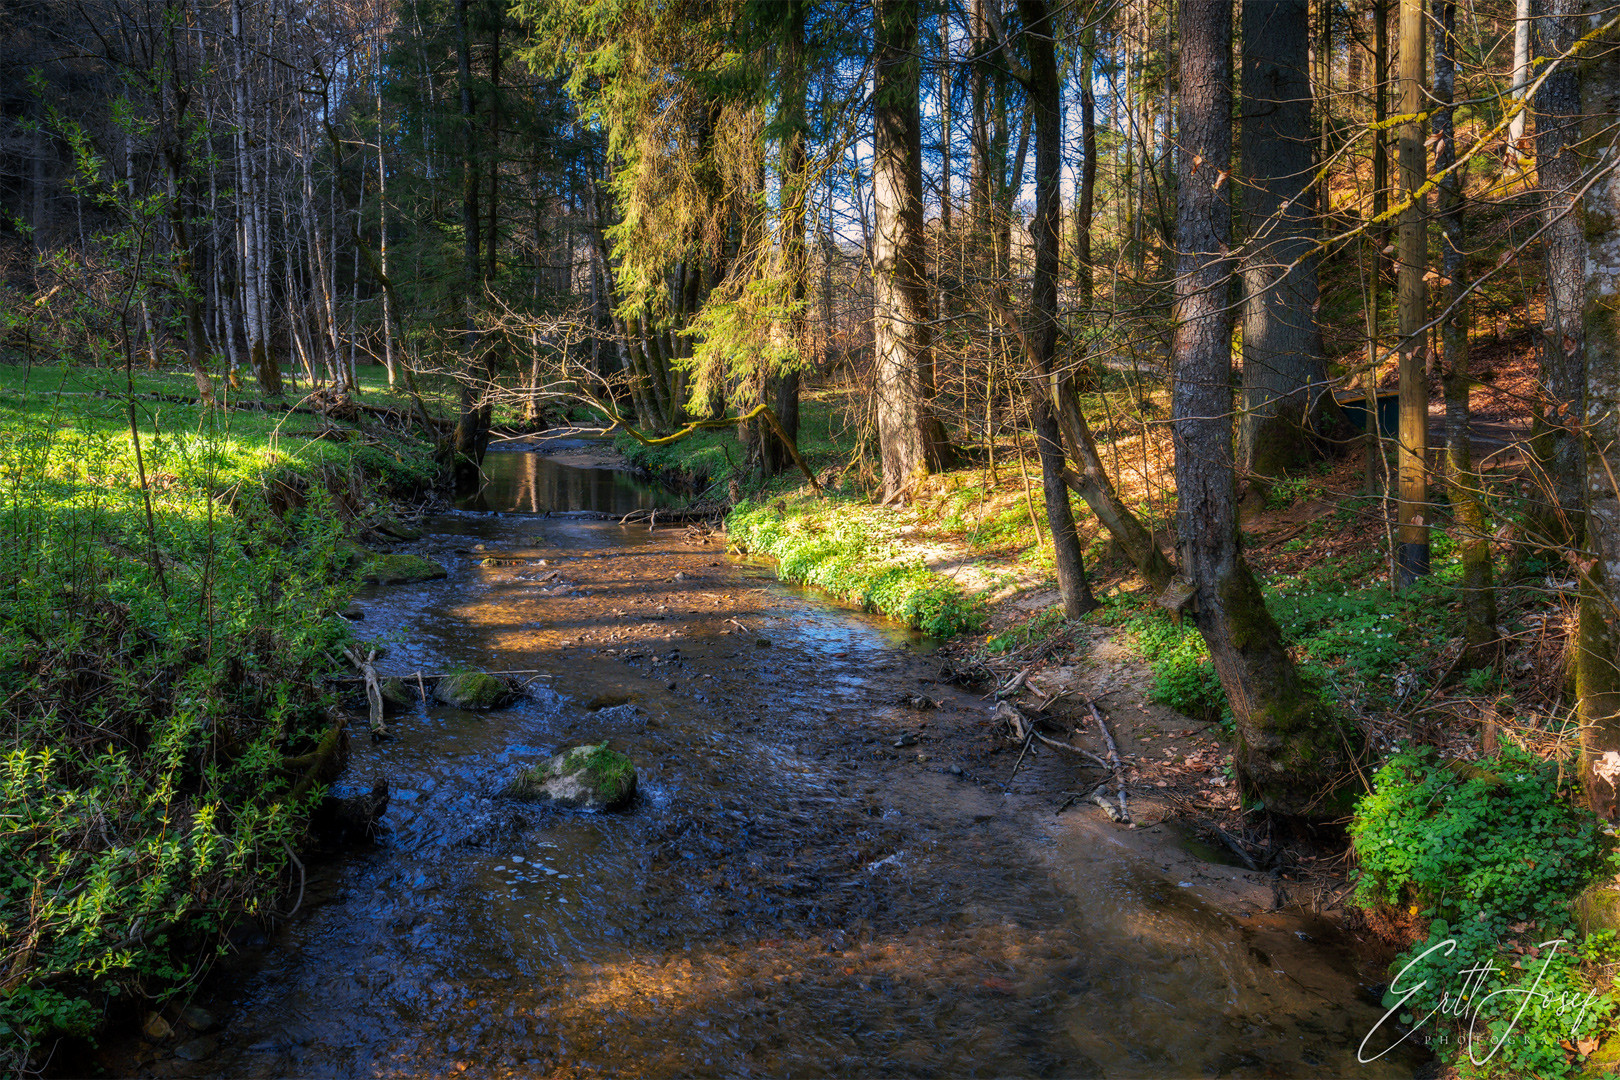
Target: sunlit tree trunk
{"x":902,"y":334}
{"x":1521,"y":78}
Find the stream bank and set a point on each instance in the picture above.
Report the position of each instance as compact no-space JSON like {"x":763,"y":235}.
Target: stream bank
{"x":826,"y":871}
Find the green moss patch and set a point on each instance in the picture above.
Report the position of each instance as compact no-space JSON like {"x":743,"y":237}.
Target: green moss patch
{"x":582,"y":778}
{"x":474,"y":691}
{"x":402,"y":569}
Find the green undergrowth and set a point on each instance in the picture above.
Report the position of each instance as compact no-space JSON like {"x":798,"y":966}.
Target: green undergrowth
{"x":823,"y":542}
{"x":1487,"y":857}
{"x":1358,"y":644}
{"x":158,"y":669}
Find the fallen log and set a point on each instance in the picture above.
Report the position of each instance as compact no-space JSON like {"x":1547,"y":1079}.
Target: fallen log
{"x":323,"y":764}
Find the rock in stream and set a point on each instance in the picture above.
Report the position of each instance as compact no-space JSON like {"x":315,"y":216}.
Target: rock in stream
{"x":582,"y":778}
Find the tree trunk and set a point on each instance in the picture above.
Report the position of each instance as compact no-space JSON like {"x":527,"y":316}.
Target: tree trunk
{"x":1521,"y":79}
{"x":1474,"y":542}
{"x":1412,"y":453}
{"x":1288,"y":749}
{"x":1597,"y":654}
{"x":471,"y":436}
{"x":1044,"y":91}
{"x":382,"y":235}
{"x":1380,"y":192}
{"x":190,"y":295}
{"x":782,"y":388}
{"x":1284,"y":374}
{"x":264,"y":365}
{"x":1086,"y":201}
{"x":902,"y":335}
{"x":1563,"y":360}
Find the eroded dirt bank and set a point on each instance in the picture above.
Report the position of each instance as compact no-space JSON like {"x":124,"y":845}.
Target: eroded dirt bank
{"x":793,"y":893}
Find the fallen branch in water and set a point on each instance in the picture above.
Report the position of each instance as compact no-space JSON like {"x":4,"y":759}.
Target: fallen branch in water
{"x":419,"y":676}
{"x":374,"y":697}
{"x":1113,"y":757}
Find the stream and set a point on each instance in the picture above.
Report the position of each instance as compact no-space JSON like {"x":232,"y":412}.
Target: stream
{"x":791,"y":894}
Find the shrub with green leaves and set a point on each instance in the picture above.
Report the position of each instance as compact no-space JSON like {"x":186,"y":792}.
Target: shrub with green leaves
{"x":1491,"y":854}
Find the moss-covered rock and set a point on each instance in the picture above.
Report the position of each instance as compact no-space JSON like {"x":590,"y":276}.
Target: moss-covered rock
{"x":398,"y":529}
{"x":402,"y":569}
{"x":474,"y":690}
{"x":397,"y":696}
{"x":583,"y":778}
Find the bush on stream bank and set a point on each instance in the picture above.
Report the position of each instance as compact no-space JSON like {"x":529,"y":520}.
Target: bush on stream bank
{"x":159,"y":666}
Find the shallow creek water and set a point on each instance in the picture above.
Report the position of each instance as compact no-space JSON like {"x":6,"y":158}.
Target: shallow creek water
{"x":787,"y":897}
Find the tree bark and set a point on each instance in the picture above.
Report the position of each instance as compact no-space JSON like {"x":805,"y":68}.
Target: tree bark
{"x":1284,"y":374}
{"x":1597,"y":654}
{"x":1563,"y":359}
{"x":1289,"y":749}
{"x":1044,"y":91}
{"x":902,"y":334}
{"x":1474,"y":542}
{"x":1521,"y":79}
{"x":471,"y":436}
{"x":1412,"y":451}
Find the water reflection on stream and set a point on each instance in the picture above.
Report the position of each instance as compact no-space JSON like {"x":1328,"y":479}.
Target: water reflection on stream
{"x":775,"y":904}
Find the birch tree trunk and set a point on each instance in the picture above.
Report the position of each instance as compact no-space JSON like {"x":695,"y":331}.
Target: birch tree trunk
{"x":1521,"y":78}
{"x":1289,"y":750}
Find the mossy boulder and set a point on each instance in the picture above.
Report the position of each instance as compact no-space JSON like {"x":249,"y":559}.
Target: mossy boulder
{"x":474,"y":690}
{"x":397,"y":696}
{"x":583,"y":778}
{"x":402,"y":569}
{"x":398,"y":529}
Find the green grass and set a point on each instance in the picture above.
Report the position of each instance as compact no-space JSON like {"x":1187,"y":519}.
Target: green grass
{"x":821,"y":542}
{"x":155,"y":673}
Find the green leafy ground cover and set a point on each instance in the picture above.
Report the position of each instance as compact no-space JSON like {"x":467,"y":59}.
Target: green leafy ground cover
{"x":158,"y":668}
{"x":1488,"y":856}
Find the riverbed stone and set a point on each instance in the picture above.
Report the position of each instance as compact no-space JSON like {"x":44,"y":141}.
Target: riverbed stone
{"x":399,"y":530}
{"x":581,"y":778}
{"x":197,"y":1049}
{"x":403,"y":569}
{"x":474,"y":690}
{"x":197,"y":1018}
{"x":397,"y":695}
{"x":156,"y":1028}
